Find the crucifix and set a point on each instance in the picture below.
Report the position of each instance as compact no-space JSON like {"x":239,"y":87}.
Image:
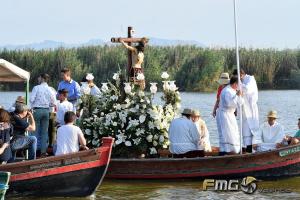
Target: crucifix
{"x":135,"y":56}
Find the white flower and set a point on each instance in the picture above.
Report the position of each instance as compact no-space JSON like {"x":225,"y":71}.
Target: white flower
{"x":128,"y":143}
{"x":166,"y":85}
{"x":155,"y":137}
{"x":151,"y":125}
{"x":139,"y":132}
{"x":140,"y":76}
{"x":172,"y":86}
{"x":137,"y":107}
{"x":118,"y":107}
{"x":116,"y":76}
{"x":121,"y":138}
{"x":104,"y":87}
{"x":142,"y":118}
{"x":127,"y":88}
{"x":119,"y":141}
{"x":87,"y":131}
{"x":127,"y":101}
{"x":115,"y":124}
{"x":132,"y":123}
{"x":137,"y":141}
{"x":165,"y":75}
{"x":153,"y":151}
{"x":161,"y":139}
{"x":114,"y":97}
{"x":141,"y":94}
{"x":153,"y":88}
{"x":155,"y":143}
{"x":149,"y":138}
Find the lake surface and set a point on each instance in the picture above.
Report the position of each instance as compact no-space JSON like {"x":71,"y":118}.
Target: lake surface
{"x":285,"y":102}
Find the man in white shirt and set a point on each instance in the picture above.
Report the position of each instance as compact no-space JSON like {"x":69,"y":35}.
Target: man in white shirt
{"x":69,"y":137}
{"x":250,"y":108}
{"x":41,"y":99}
{"x":184,"y":137}
{"x":63,"y":106}
{"x":270,"y":134}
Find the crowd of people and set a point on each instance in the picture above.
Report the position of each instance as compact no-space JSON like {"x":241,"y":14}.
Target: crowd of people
{"x":24,"y":127}
{"x":189,"y":139}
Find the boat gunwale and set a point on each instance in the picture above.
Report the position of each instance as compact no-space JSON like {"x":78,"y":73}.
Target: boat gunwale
{"x":248,"y":155}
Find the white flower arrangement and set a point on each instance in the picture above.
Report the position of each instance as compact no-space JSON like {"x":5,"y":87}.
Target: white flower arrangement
{"x":127,"y":114}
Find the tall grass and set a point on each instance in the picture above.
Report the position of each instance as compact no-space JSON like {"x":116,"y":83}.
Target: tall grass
{"x":193,"y":68}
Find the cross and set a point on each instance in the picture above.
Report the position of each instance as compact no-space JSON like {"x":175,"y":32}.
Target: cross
{"x":129,"y":40}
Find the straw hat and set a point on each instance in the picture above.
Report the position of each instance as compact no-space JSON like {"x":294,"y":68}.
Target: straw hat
{"x":187,"y":111}
{"x":196,"y":113}
{"x":20,"y":99}
{"x":272,"y":114}
{"x":89,"y":77}
{"x":224,"y":78}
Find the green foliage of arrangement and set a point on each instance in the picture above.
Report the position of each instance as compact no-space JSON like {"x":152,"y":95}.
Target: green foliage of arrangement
{"x":193,"y":68}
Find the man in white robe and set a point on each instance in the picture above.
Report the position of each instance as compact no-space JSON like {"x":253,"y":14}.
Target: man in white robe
{"x":270,"y":135}
{"x":250,"y":110}
{"x":229,"y":136}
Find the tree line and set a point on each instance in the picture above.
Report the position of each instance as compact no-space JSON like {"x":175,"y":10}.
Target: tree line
{"x":193,"y":68}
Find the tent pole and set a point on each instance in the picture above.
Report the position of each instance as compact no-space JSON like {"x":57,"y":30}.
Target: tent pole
{"x":27,"y":103}
{"x":238,"y":72}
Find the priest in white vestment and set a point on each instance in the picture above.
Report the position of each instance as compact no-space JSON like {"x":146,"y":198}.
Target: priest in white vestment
{"x":270,"y":134}
{"x":250,"y":110}
{"x":229,"y":136}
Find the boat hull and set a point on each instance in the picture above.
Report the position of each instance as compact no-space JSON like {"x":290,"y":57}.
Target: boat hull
{"x":71,"y":175}
{"x":280,"y":163}
{"x":78,"y":183}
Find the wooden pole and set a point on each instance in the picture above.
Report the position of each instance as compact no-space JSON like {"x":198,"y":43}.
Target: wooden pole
{"x":128,"y":40}
{"x":129,"y":54}
{"x":238,"y":73}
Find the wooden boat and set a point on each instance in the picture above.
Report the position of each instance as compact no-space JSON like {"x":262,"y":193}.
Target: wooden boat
{"x":4,"y":179}
{"x":268,"y":165}
{"x":77,"y":174}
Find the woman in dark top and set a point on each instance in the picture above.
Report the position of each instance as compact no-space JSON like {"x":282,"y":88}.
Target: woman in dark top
{"x":5,"y":131}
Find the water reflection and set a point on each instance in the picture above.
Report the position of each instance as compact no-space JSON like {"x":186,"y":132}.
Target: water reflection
{"x":190,"y":189}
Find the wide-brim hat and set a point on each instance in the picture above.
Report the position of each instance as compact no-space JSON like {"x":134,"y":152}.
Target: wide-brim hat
{"x":196,"y":113}
{"x":224,"y":78}
{"x":272,"y":114}
{"x":89,"y":77}
{"x":187,"y":111}
{"x":20,"y":99}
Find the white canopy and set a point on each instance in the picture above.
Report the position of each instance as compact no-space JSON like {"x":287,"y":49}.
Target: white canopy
{"x":12,"y":73}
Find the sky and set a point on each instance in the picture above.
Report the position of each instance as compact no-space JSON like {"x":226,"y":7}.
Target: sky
{"x":261,"y":23}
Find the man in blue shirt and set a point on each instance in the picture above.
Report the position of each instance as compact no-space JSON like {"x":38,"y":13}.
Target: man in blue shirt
{"x":69,"y":84}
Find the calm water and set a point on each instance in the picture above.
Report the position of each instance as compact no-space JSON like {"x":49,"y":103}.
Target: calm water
{"x":285,"y":102}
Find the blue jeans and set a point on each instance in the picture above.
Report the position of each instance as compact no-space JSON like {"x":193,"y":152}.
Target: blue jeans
{"x":31,"y":148}
{"x":41,"y":117}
